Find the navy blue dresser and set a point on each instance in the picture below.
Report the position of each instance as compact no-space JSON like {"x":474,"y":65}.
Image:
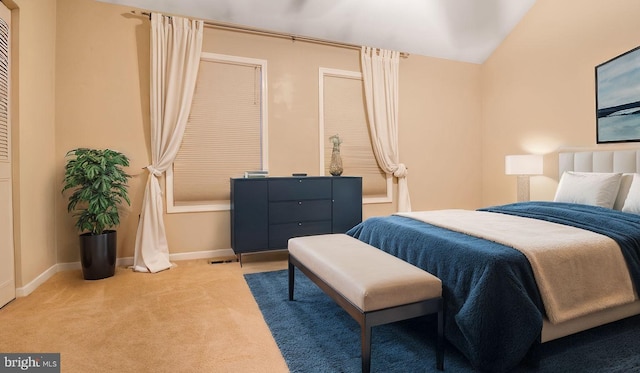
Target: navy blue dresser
{"x":266,"y":212}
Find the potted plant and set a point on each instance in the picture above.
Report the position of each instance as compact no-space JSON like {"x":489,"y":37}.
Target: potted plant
{"x":99,"y":184}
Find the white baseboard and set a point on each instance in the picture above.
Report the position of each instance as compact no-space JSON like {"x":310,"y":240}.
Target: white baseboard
{"x":120,"y":262}
{"x":44,"y":276}
{"x":201,"y":254}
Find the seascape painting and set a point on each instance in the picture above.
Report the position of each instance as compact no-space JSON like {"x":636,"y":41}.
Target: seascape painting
{"x":618,"y":98}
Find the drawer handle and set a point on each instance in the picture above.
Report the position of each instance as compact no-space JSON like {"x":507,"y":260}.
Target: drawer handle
{"x":299,"y":202}
{"x":299,"y":224}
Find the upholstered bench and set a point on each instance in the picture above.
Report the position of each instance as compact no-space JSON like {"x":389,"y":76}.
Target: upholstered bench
{"x":373,"y":286}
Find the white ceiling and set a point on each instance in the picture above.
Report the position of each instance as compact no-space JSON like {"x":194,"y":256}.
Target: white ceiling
{"x":461,"y":30}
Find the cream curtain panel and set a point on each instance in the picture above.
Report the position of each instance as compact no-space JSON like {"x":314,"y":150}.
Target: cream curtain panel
{"x":176,"y":45}
{"x":380,"y":75}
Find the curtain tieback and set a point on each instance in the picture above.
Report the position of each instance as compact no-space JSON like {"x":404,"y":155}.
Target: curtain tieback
{"x":154,"y":171}
{"x":401,"y":171}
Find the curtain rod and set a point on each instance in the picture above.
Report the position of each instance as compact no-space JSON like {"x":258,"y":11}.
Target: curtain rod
{"x":256,"y":31}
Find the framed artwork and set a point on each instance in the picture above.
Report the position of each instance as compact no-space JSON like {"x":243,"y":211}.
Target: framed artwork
{"x":618,"y":98}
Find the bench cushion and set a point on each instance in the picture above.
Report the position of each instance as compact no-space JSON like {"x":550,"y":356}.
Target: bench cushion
{"x":369,"y":278}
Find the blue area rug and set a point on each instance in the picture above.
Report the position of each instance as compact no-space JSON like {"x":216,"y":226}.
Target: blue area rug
{"x":316,"y":335}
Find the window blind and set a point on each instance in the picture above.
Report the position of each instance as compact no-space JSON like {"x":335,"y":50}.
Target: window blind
{"x":223,"y":133}
{"x":344,"y":114}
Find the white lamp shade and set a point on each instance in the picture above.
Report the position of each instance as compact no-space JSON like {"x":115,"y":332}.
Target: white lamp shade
{"x":530,"y":164}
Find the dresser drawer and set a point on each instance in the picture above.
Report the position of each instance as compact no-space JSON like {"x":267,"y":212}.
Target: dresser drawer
{"x":295,"y":189}
{"x":279,"y":234}
{"x":297,"y":211}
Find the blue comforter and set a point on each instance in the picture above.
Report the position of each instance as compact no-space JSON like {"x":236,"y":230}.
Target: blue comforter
{"x":493,"y":308}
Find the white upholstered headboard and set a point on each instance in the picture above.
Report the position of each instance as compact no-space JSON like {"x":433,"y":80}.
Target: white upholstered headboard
{"x":625,"y":161}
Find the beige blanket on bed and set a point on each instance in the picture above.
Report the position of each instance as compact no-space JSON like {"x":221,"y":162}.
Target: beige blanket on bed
{"x":577,"y":271}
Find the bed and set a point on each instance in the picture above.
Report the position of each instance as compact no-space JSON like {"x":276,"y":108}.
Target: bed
{"x":558,"y":267}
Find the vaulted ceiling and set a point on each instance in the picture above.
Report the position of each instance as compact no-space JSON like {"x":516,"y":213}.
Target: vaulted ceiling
{"x":461,"y":30}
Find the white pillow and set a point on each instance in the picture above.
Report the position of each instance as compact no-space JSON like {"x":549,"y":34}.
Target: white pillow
{"x":625,"y":184}
{"x":632,"y":203}
{"x":588,"y":188}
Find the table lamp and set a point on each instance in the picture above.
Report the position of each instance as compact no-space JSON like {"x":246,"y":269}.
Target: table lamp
{"x":523,"y":166}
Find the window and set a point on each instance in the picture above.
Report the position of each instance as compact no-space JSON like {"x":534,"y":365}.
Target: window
{"x":226,"y":133}
{"x":343,"y":112}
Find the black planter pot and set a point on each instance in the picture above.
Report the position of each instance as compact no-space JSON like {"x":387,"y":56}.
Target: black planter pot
{"x":98,"y":255}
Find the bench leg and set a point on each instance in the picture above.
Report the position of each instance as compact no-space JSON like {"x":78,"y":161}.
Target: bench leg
{"x":440,"y":343}
{"x":365,"y":331}
{"x":291,"y":280}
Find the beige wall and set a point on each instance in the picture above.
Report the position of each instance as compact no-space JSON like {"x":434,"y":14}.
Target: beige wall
{"x":33,"y":121}
{"x":538,"y":88}
{"x":102,"y":101}
{"x":440,"y":129}
{"x":88,"y":86}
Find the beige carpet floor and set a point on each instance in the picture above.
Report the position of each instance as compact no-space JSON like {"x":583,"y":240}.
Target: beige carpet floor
{"x":195,"y":317}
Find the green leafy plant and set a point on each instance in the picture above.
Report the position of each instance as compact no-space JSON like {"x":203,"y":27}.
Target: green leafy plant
{"x":99,"y":185}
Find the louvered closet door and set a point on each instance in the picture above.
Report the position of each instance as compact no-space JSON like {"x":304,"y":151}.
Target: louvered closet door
{"x":7,"y":266}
